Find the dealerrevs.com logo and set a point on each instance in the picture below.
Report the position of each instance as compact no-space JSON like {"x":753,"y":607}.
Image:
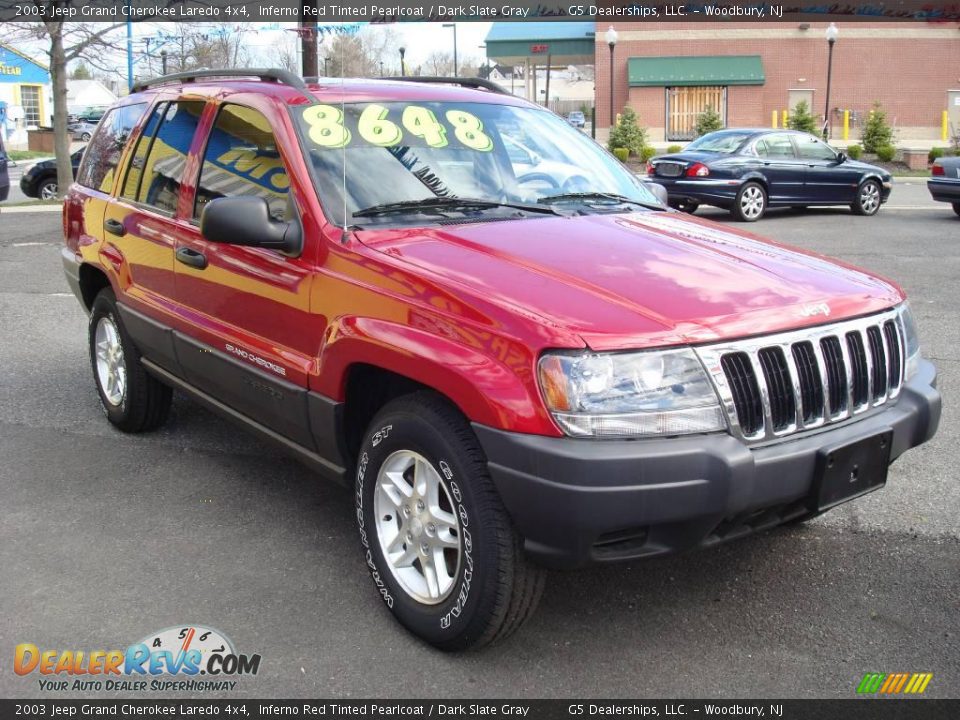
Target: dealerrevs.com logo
{"x":168,"y":660}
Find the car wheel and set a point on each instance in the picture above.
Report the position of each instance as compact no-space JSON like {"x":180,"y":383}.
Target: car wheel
{"x":956,"y":208}
{"x":868,"y":199}
{"x":85,"y":137}
{"x":750,"y":203}
{"x":687,"y":206}
{"x":47,"y":190}
{"x":438,"y":542}
{"x":132,"y":400}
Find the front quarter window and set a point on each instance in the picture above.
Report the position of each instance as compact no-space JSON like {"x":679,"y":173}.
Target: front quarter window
{"x":366,"y":155}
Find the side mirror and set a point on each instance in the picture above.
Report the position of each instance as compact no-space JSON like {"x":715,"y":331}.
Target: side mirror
{"x":841,"y":157}
{"x":659,"y":191}
{"x":245,"y":220}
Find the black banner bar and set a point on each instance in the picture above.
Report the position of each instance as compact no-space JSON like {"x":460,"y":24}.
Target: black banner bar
{"x":855,"y":709}
{"x":382,"y":11}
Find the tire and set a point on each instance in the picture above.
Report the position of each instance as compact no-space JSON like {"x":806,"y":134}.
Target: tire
{"x":47,"y":190}
{"x":688,"y":206}
{"x":956,"y":208}
{"x":750,"y":203}
{"x":85,"y":137}
{"x":132,"y":400}
{"x":483,"y":587}
{"x":867,"y":201}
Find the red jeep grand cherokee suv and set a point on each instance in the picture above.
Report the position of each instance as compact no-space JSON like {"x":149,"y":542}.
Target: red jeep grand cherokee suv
{"x":452,"y":301}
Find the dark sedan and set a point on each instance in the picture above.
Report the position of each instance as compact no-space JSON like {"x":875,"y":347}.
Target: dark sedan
{"x":40,"y":181}
{"x":944,"y":182}
{"x":746,"y":171}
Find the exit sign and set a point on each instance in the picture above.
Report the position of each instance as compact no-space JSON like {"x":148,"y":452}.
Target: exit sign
{"x":539,"y":48}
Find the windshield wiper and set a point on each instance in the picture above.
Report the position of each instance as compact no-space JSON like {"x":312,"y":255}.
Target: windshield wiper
{"x":610,"y":197}
{"x":448,"y":203}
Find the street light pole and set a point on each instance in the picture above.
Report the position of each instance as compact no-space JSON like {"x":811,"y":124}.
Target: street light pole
{"x":163,"y":62}
{"x":454,"y":27}
{"x":611,"y":37}
{"x":832,"y":33}
{"x":403,"y":68}
{"x":326,"y":72}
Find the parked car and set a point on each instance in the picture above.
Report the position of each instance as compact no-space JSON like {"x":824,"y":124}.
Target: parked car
{"x":4,"y":172}
{"x":747,"y":171}
{"x":84,"y":130}
{"x":92,"y":114}
{"x":577,"y":119}
{"x":944,"y":182}
{"x":40,"y":180}
{"x":354,"y":272}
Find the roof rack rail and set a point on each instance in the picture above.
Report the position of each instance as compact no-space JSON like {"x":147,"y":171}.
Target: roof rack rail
{"x":281,"y":76}
{"x":473,"y":83}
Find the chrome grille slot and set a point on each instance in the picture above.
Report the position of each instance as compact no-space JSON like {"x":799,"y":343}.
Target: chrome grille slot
{"x":775,"y":386}
{"x":783,"y":404}
{"x":811,"y":386}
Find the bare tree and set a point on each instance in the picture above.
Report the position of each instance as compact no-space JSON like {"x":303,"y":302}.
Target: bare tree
{"x":67,"y":41}
{"x":284,"y":54}
{"x":439,"y":63}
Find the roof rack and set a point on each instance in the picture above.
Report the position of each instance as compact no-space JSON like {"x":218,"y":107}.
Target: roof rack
{"x":473,"y":83}
{"x":276,"y":75}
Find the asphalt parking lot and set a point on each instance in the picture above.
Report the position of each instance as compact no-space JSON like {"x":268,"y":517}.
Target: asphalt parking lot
{"x":106,"y":538}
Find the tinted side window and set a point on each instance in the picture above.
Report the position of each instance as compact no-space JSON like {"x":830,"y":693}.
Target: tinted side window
{"x":775,"y":146}
{"x":164,"y":159}
{"x":104,"y":150}
{"x":131,"y":183}
{"x":242,"y":159}
{"x":809,"y":148}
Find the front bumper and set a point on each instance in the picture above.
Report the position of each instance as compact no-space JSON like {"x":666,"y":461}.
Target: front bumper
{"x":578,"y":502}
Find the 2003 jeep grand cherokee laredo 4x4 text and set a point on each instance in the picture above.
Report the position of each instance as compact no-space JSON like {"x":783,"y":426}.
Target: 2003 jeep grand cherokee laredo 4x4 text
{"x":465,"y":309}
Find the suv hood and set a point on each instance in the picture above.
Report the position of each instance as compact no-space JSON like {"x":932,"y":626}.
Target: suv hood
{"x":642,"y":279}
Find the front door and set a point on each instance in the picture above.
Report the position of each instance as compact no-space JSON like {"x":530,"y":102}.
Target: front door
{"x":251,"y":340}
{"x":825,"y":180}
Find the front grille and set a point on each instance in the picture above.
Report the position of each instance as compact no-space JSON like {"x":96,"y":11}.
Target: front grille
{"x":781,"y":384}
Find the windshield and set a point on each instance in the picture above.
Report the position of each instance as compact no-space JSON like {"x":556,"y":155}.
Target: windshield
{"x":719,"y":142}
{"x":399,"y":152}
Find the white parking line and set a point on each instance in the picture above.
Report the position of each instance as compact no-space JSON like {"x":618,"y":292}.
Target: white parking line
{"x":28,"y":244}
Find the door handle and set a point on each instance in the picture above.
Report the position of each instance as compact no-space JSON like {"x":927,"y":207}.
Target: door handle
{"x":114,"y":227}
{"x":191,"y":257}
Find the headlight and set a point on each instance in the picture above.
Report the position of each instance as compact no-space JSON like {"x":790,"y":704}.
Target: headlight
{"x":911,"y":341}
{"x":630,"y":394}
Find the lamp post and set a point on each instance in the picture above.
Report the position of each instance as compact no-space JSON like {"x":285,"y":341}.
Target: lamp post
{"x":326,"y":62}
{"x":611,"y":37}
{"x":831,"y":34}
{"x":454,"y":27}
{"x":381,"y":68}
{"x":163,"y":62}
{"x":403,"y":68}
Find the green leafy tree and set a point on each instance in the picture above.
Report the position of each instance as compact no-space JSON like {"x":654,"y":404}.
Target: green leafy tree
{"x":877,"y":132}
{"x":802,"y":119}
{"x":81,"y":72}
{"x":708,"y":121}
{"x":628,"y":134}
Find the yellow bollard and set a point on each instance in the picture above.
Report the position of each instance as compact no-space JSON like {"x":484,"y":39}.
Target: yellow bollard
{"x":846,"y":124}
{"x":943,"y":126}
{"x":774,"y":120}
{"x":785,"y":117}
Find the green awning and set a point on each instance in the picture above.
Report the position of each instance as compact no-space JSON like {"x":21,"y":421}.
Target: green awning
{"x":695,"y":70}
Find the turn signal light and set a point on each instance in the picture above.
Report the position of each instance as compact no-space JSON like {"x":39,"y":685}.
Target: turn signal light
{"x":650,"y":168}
{"x":936,"y":170}
{"x":698,"y":170}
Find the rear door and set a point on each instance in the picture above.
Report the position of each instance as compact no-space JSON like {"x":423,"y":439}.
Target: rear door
{"x":250,"y":340}
{"x":141,"y":224}
{"x":826,"y":179}
{"x":778,"y":163}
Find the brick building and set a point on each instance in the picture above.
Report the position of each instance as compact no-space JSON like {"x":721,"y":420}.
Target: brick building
{"x":667,"y":71}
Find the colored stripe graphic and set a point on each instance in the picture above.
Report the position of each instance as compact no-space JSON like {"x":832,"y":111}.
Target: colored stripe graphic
{"x":894,"y":683}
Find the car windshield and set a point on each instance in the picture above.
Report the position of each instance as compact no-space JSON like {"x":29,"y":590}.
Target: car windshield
{"x":719,"y":142}
{"x":370,"y":155}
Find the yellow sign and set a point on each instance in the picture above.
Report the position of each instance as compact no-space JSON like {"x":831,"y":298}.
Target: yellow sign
{"x":10,"y":69}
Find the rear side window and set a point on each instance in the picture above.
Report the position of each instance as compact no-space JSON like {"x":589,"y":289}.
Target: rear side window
{"x":156,"y":167}
{"x":775,"y":146}
{"x":103,"y":153}
{"x":242,"y":159}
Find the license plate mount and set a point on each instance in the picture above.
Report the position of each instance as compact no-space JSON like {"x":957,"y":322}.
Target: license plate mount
{"x":848,"y":471}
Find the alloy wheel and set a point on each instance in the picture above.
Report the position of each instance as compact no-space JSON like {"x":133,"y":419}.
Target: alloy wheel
{"x":870,"y":198}
{"x":111,"y":367}
{"x":752,"y":202}
{"x":48,"y":191}
{"x":417,"y":527}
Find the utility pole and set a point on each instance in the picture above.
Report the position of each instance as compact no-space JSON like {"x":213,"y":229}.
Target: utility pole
{"x":308,"y":44}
